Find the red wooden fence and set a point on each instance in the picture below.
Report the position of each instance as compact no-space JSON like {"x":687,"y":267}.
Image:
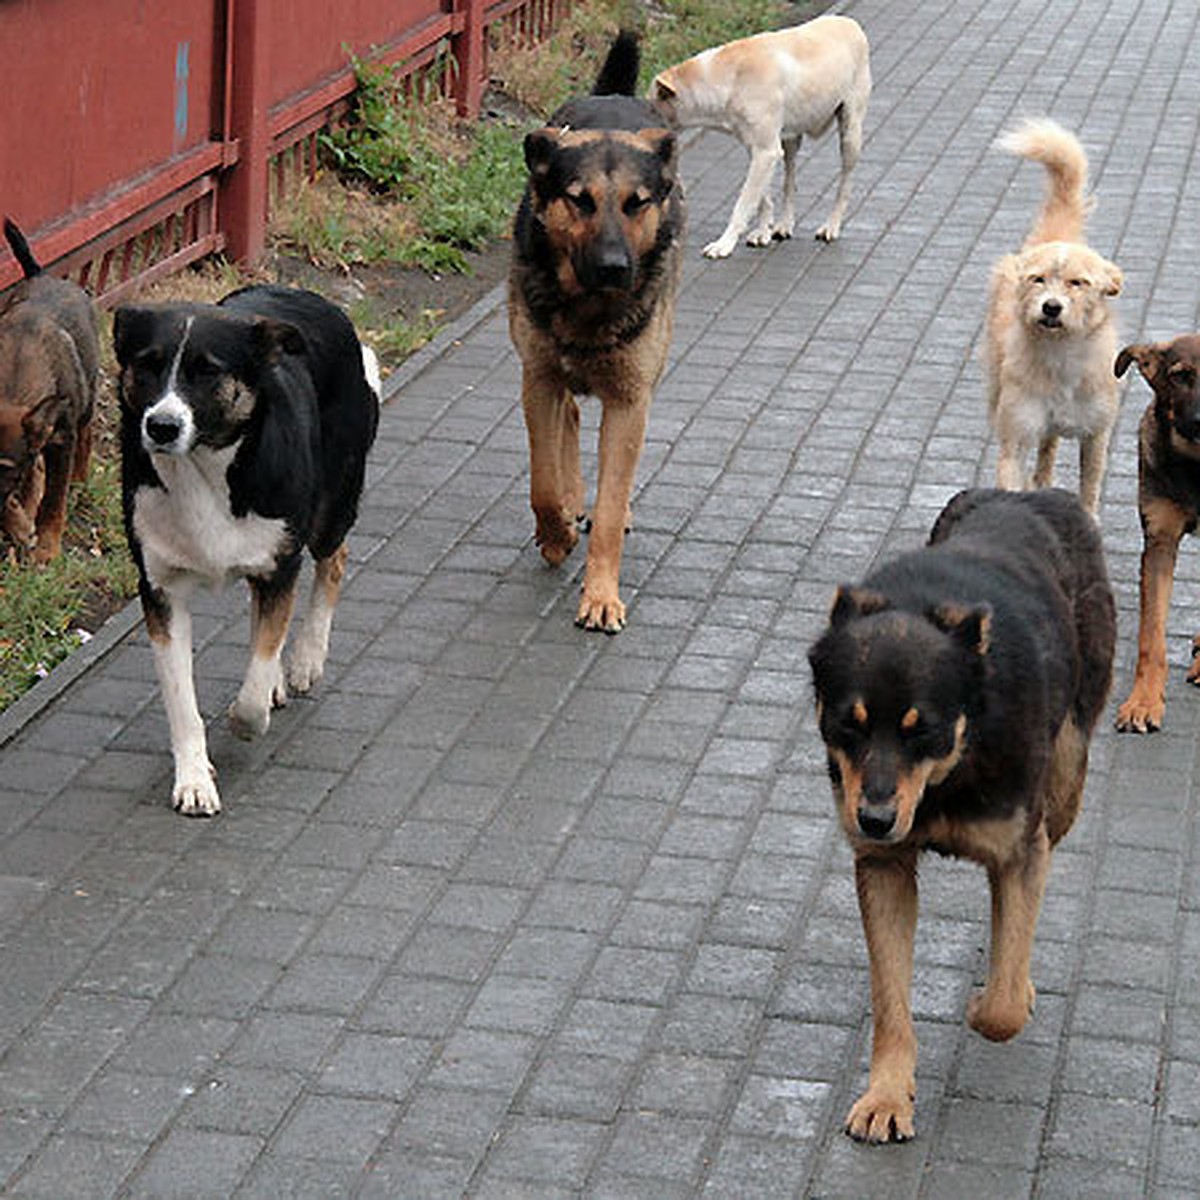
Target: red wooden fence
{"x":138,"y":137}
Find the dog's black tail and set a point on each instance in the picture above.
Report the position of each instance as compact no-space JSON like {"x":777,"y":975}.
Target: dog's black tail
{"x":619,"y":75}
{"x":20,"y":249}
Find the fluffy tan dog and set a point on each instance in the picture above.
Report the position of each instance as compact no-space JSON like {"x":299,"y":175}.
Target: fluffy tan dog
{"x":1051,"y":338}
{"x":769,"y":91}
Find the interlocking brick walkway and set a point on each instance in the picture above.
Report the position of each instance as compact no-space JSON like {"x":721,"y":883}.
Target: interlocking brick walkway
{"x":511,"y":910}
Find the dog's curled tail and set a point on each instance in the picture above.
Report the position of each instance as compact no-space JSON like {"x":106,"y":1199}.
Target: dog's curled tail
{"x":1065,"y":208}
{"x":619,"y":75}
{"x":20,"y":249}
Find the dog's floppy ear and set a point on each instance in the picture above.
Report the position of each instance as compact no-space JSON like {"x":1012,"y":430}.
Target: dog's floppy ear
{"x":1113,"y":279}
{"x":38,"y":423}
{"x":1147,"y":355}
{"x":971,"y":627}
{"x":662,"y":88}
{"x":273,"y":339}
{"x":851,"y":602}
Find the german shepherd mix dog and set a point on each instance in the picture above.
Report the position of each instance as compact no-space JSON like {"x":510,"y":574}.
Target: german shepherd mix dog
{"x":49,"y":366}
{"x":591,"y":304}
{"x":245,"y":428}
{"x":1168,"y":505}
{"x":956,"y":690}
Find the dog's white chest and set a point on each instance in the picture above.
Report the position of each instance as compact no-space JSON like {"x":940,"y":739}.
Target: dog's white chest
{"x":186,"y":527}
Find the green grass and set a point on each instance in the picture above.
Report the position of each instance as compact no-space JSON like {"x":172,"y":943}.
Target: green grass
{"x":41,"y":607}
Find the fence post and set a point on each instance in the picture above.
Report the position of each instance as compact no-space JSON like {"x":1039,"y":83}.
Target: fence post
{"x":242,"y":208}
{"x":467,"y":48}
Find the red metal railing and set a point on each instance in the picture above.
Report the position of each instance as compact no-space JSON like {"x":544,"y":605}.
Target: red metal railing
{"x":168,"y":123}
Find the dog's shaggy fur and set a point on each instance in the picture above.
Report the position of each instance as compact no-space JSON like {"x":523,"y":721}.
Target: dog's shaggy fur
{"x":1051,"y":337}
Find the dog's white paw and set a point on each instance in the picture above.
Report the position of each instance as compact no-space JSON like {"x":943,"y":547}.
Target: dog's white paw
{"x":759,"y":237}
{"x":249,"y":719}
{"x":829,"y":232}
{"x":721,"y":248}
{"x":195,"y":791}
{"x":783,"y":231}
{"x":305,"y":669}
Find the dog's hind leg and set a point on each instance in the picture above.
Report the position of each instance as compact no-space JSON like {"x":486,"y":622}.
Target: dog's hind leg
{"x":312,"y":644}
{"x":763,"y":159}
{"x":83,"y":452}
{"x":169,"y":623}
{"x":786,"y":225}
{"x":1000,"y":1011}
{"x":850,"y":133}
{"x":271,"y":602}
{"x":887,"y":902}
{"x":1047,"y":452}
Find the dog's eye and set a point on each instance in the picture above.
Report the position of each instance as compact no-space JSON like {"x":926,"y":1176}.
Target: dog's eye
{"x":634,"y":204}
{"x":1184,"y":376}
{"x":203,"y":367}
{"x":583,"y":201}
{"x":149,"y":362}
{"x":1037,"y":279}
{"x":1076,"y":283}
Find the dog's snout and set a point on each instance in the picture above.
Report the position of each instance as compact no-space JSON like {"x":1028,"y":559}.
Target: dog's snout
{"x":876,"y":821}
{"x":1052,"y":308}
{"x":614,"y":267}
{"x":164,"y":429}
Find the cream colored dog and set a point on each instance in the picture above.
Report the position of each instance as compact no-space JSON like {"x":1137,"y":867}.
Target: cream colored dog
{"x":769,"y":91}
{"x":1051,"y":338}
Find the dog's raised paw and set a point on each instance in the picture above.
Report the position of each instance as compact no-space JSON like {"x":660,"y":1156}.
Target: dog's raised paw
{"x":999,"y":1020}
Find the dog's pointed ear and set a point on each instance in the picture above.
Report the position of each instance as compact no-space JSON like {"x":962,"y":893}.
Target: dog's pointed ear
{"x":970,"y":627}
{"x":851,"y":602}
{"x":273,"y":339}
{"x":1147,"y":355}
{"x":662,"y":143}
{"x":131,"y":331}
{"x":540,"y":145}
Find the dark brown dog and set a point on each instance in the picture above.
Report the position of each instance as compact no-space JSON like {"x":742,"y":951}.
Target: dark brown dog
{"x":957,"y":689}
{"x":596,"y":252}
{"x":1168,"y":505}
{"x":49,"y":364}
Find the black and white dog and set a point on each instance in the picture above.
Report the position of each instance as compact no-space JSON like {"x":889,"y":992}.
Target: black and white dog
{"x":245,"y":428}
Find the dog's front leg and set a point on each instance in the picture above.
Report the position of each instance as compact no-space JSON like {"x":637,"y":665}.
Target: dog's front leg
{"x":1093,"y":457}
{"x":271,"y":603}
{"x":555,"y":484}
{"x":52,"y":513}
{"x":1163,"y":524}
{"x":887,"y":900}
{"x":169,"y":624}
{"x":1000,"y":1011}
{"x":758,"y":178}
{"x":622,"y":431}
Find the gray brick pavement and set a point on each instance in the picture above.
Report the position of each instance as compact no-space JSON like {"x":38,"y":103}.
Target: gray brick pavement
{"x":509,"y":910}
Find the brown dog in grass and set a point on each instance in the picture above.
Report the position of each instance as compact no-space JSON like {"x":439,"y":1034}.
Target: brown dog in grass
{"x":49,"y":365}
{"x":1168,"y":506}
{"x":596,"y":251}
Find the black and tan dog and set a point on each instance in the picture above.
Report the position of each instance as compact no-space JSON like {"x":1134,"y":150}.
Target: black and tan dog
{"x":1168,"y":505}
{"x":957,"y":689}
{"x":596,"y":252}
{"x":49,"y":365}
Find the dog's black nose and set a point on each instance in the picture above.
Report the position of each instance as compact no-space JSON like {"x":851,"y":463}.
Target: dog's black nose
{"x":162,"y":431}
{"x":1052,"y":308}
{"x":876,"y":821}
{"x":614,"y":270}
